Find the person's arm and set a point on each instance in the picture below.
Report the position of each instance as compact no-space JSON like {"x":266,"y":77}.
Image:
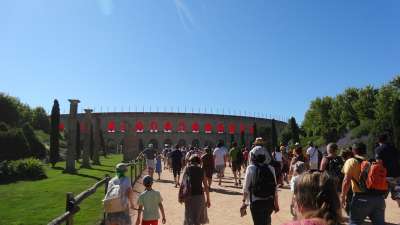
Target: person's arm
{"x":139,"y":215}
{"x":130,"y":197}
{"x":324,"y":163}
{"x":162,"y":212}
{"x":207,"y":192}
{"x":345,"y":188}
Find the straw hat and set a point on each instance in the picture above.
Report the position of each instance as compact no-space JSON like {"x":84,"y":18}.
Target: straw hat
{"x":259,"y":141}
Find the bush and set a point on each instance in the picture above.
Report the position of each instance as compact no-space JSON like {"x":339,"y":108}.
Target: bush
{"x":24,"y":169}
{"x":13,"y":145}
{"x":37,"y":148}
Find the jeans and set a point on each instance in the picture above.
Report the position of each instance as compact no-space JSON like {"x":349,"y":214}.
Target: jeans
{"x":372,"y":206}
{"x":261,"y":211}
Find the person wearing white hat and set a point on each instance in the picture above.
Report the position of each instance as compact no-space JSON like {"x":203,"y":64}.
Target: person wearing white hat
{"x":259,"y":149}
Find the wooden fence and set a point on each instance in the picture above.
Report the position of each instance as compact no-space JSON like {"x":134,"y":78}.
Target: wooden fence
{"x":72,"y":203}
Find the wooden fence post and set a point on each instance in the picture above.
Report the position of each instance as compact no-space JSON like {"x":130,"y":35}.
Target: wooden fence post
{"x":69,"y":206}
{"x":105,"y":192}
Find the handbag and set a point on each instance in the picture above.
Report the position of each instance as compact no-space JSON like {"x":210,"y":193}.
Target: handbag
{"x":185,"y":188}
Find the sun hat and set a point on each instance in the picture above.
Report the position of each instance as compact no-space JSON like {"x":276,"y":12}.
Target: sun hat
{"x":121,"y":167}
{"x":147,"y":180}
{"x":150,"y":145}
{"x":259,"y":141}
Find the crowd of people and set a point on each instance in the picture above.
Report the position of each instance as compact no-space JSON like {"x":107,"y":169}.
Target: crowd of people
{"x":321,"y":182}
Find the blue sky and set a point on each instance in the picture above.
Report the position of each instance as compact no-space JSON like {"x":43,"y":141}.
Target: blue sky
{"x":268,"y":57}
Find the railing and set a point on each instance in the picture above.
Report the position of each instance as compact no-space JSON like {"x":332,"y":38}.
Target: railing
{"x":72,"y":203}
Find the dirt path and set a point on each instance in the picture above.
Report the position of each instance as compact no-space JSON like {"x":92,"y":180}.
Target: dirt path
{"x":226,"y":201}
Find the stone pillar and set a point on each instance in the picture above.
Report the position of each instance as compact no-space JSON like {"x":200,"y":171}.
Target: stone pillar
{"x":72,"y":142}
{"x":87,"y":138}
{"x":96,"y":139}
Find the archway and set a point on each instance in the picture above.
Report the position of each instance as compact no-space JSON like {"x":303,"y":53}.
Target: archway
{"x":181,"y":143}
{"x":167,"y":142}
{"x":196,"y":143}
{"x":154,"y":142}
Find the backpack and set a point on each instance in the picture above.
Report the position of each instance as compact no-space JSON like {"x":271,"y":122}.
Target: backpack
{"x":185,"y":188}
{"x":264,"y":183}
{"x":334,"y":167}
{"x":372,"y":177}
{"x":113,"y":200}
{"x":240,"y":158}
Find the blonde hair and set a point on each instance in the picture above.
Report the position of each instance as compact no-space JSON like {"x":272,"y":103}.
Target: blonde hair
{"x":317,"y":193}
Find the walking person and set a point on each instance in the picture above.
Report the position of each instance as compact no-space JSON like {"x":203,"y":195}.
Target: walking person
{"x":236,"y":159}
{"x":260,"y":190}
{"x":150,"y":202}
{"x":245,"y":157}
{"x":314,"y":157}
{"x":366,"y":201}
{"x":150,"y":155}
{"x":194,"y":193}
{"x":119,"y":198}
{"x":316,"y":200}
{"x":259,"y":149}
{"x":298,"y":170}
{"x":176,"y":162}
{"x":333,"y":164}
{"x":220,"y":158}
{"x":158,"y":166}
{"x":207,"y":161}
{"x":389,"y":157}
{"x":297,"y":156}
{"x":278,"y":157}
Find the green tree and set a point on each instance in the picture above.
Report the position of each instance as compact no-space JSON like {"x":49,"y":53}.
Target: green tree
{"x":294,"y":130}
{"x":232,"y":138}
{"x":274,"y":135}
{"x":13,"y":145}
{"x":396,"y":123}
{"x":40,"y":120}
{"x":3,"y":126}
{"x":55,"y":133}
{"x":365,"y":103}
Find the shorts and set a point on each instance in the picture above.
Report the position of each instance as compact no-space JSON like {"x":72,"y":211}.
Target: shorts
{"x":219,"y":168}
{"x":235,"y":166}
{"x":176,"y":171}
{"x":149,"y":222}
{"x":150,"y":163}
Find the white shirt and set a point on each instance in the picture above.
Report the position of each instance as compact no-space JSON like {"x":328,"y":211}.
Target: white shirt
{"x":219,"y":154}
{"x":313,"y":157}
{"x":249,"y":179}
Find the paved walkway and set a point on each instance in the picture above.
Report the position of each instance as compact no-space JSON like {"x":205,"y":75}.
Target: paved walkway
{"x":226,"y":201}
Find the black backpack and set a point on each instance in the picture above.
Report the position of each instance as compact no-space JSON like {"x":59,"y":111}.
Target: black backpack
{"x":334,"y":167}
{"x":264,"y":183}
{"x":240,"y":158}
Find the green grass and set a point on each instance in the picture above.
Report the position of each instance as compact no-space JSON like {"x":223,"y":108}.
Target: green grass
{"x":38,"y":202}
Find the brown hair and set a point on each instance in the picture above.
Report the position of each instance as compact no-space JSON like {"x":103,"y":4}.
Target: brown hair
{"x":316,"y":192}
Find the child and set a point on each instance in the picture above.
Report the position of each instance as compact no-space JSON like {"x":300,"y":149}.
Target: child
{"x":149,"y":202}
{"x":298,"y":169}
{"x":158,"y":165}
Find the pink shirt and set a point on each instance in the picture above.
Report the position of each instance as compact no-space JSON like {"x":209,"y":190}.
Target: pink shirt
{"x":313,"y":221}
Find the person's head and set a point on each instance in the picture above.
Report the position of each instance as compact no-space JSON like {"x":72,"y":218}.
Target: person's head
{"x":150,"y":145}
{"x":195,"y":159}
{"x":299,"y":167}
{"x":234,"y":144}
{"x":332,"y":148}
{"x":298,"y":150}
{"x":147,"y":181}
{"x":347,"y":153}
{"x":177,"y":146}
{"x":120,"y":169}
{"x":259,"y":141}
{"x":207,"y":150}
{"x":220,"y":144}
{"x":359,"y":149}
{"x":382,"y":139}
{"x":316,"y":197}
{"x":311,"y":144}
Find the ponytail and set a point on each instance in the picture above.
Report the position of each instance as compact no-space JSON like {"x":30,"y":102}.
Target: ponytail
{"x":318,"y":192}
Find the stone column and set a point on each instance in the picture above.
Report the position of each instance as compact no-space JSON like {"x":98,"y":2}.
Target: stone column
{"x":96,"y":139}
{"x":87,"y":138}
{"x":70,"y":162}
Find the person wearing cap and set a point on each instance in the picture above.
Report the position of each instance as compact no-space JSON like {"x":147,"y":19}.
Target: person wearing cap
{"x":122,"y":217}
{"x":259,"y":149}
{"x":150,"y":202}
{"x":150,"y":156}
{"x":261,"y":207}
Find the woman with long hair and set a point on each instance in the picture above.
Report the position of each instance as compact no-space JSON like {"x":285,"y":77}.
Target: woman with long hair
{"x":316,"y":200}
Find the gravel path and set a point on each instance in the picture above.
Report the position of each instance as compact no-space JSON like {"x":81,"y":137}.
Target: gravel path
{"x":226,"y":201}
